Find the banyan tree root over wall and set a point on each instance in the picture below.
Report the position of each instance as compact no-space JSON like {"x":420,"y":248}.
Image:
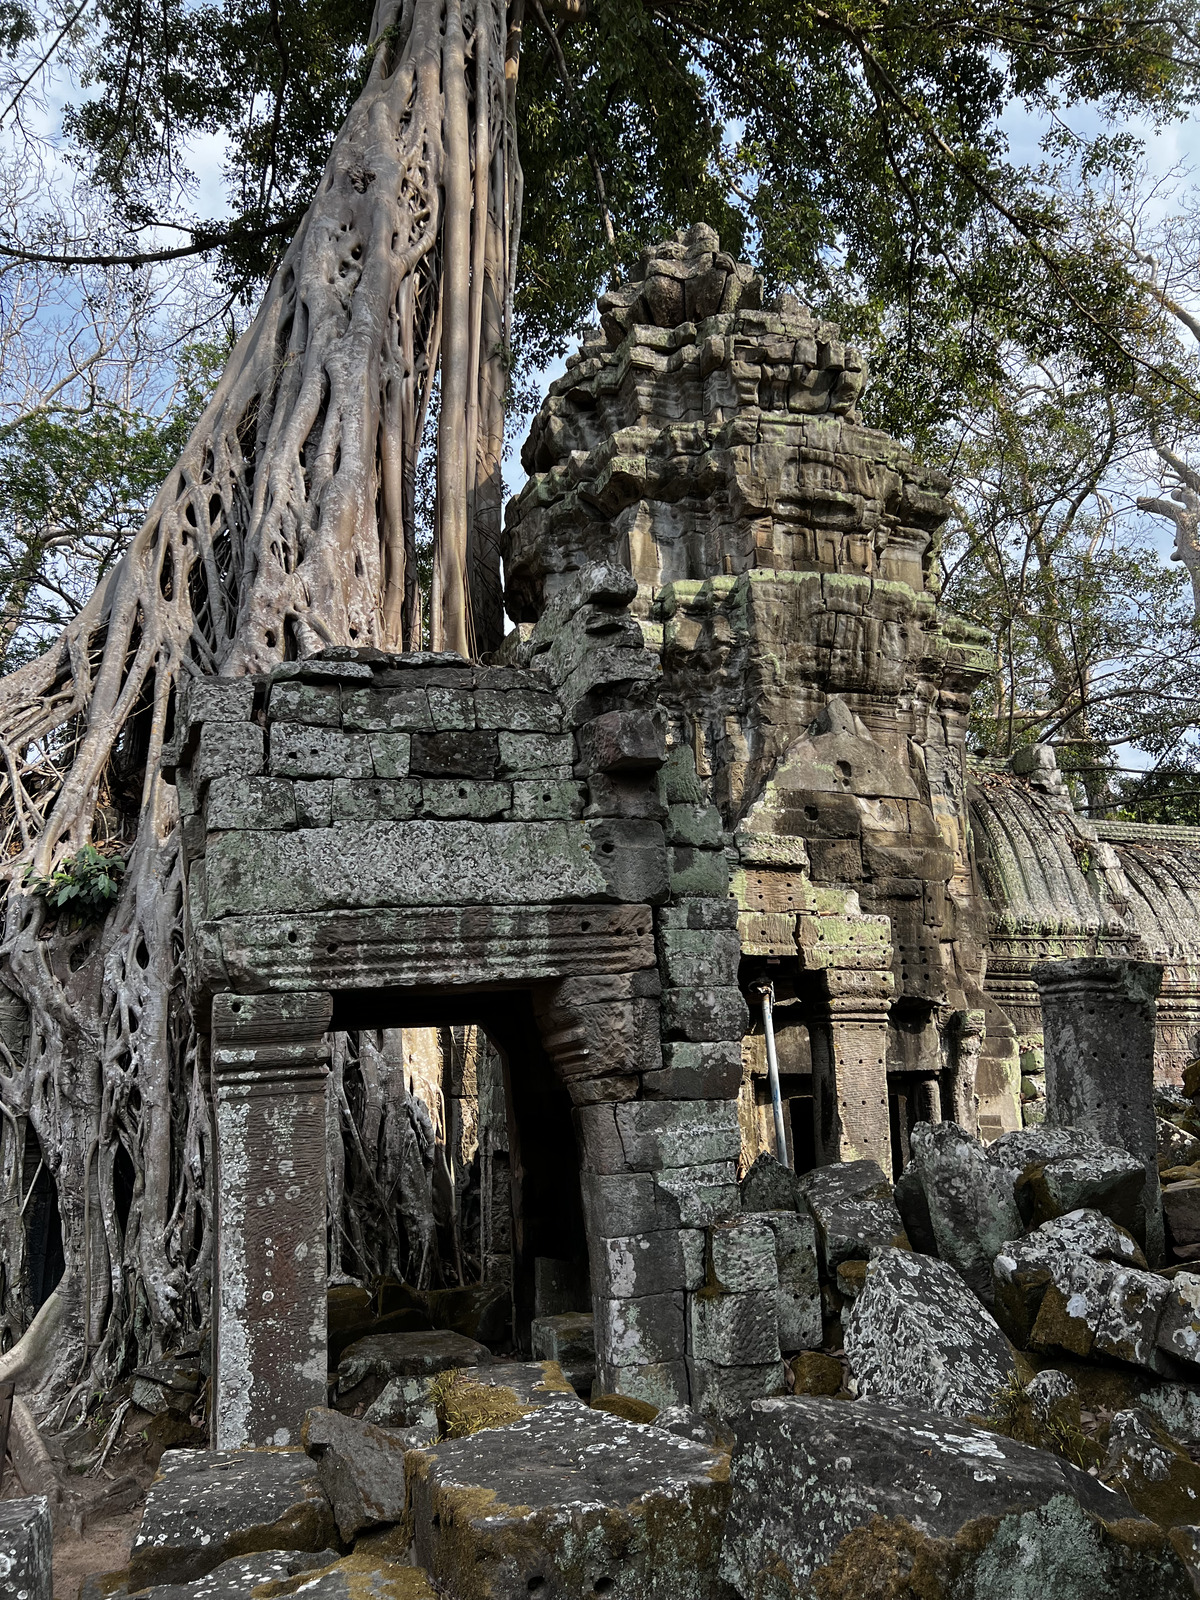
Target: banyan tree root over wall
{"x":287,"y":525}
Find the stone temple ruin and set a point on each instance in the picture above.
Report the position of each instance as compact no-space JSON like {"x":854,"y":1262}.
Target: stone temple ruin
{"x":722,"y":752}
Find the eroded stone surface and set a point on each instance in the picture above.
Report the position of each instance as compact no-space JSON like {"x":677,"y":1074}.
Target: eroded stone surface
{"x":852,"y":1205}
{"x":1058,"y":1170}
{"x":916,"y":1335}
{"x":844,"y":1501}
{"x":206,"y":1506}
{"x":361,"y":1467}
{"x":407,"y":1355}
{"x":26,"y":1548}
{"x":968,"y":1201}
{"x":1024,"y":1268}
{"x":571,"y":1503}
{"x":240,"y":1577}
{"x":1157,"y":1475}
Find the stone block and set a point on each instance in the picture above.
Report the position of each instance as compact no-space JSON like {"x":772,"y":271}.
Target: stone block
{"x":1103,"y":1309}
{"x":799,"y":1294}
{"x":707,"y":1015}
{"x":632,"y":857}
{"x":622,"y":741}
{"x":1181,"y":1208}
{"x":317,"y":704}
{"x":250,"y":803}
{"x":1025,"y":1268}
{"x":227,"y":750}
{"x":732,"y":1330}
{"x":450,"y":708}
{"x":361,"y":1467}
{"x":741,"y":1256}
{"x":1179,"y":1325}
{"x":637,"y":1264}
{"x":703,"y":874}
{"x":699,"y":914}
{"x":298,"y":751}
{"x":696,"y":825}
{"x":206,"y":1506}
{"x":819,"y":1486}
{"x":770,"y":1186}
{"x":694,"y":1196}
{"x":26,"y":1549}
{"x":456,"y":753}
{"x":570,"y":1340}
{"x":1058,"y":1170}
{"x":407,"y":1355}
{"x":236,"y":1578}
{"x":724,"y":1391}
{"x":617,"y":794}
{"x":852,"y":1205}
{"x":619,"y":1202}
{"x":630,"y":1332}
{"x":814,"y":1373}
{"x":519,"y":710}
{"x":460,"y":797}
{"x":696,"y":1071}
{"x":573,"y":1503}
{"x":552,"y":797}
{"x":689,"y":958}
{"x":969,"y":1201}
{"x":375,"y":799}
{"x":656,"y":1134}
{"x":391,"y":754}
{"x":420,"y":863}
{"x":522,"y":753}
{"x":661,"y":1384}
{"x":314,"y":803}
{"x":917,"y":1336}
{"x":379,"y":710}
{"x":405,"y":1403}
{"x":216,"y":700}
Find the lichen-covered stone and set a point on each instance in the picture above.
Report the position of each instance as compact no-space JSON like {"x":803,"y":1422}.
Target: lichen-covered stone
{"x":842,"y":1502}
{"x":268,"y":1572}
{"x":770,"y":1186}
{"x":969,"y":1202}
{"x":799,"y":1294}
{"x":1155,"y":1473}
{"x":917,"y":1336}
{"x":1058,"y":1170}
{"x":570,"y":1340}
{"x":852,"y":1205}
{"x":361,"y":1467}
{"x":206,"y":1506}
{"x":1023,"y":1268}
{"x":26,"y":1549}
{"x":571,"y":1503}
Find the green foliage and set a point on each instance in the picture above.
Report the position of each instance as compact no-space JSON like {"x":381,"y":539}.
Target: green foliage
{"x":1012,"y":1414}
{"x":83,"y":886}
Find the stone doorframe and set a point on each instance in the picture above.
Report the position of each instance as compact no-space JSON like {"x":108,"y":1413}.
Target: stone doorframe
{"x":596,"y":990}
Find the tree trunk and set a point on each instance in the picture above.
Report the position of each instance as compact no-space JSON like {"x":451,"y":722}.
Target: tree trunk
{"x":286,"y":526}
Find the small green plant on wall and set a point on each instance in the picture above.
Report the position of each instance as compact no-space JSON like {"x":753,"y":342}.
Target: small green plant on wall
{"x":82,"y":886}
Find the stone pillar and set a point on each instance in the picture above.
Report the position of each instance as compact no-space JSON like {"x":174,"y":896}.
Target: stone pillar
{"x":269,"y":1065}
{"x":849,"y":1035}
{"x":1098,"y":1020}
{"x":966,"y":1037}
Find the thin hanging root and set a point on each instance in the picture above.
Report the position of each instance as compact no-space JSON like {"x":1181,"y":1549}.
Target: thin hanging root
{"x":285,"y":526}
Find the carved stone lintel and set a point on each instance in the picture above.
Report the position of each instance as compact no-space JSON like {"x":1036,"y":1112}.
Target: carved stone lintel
{"x":269,"y":1064}
{"x":600,"y":1028}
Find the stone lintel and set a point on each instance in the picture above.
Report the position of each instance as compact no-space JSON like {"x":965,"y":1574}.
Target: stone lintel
{"x":457,"y":946}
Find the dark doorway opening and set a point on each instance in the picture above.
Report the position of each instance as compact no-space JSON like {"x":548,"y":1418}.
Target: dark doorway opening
{"x":549,"y":1253}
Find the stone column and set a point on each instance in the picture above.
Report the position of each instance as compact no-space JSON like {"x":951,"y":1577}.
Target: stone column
{"x":269,"y":1064}
{"x":849,"y":1035}
{"x":1098,"y":1020}
{"x":966,"y":1036}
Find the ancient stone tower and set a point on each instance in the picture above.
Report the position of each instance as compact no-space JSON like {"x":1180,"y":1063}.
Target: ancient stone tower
{"x":811,"y":686}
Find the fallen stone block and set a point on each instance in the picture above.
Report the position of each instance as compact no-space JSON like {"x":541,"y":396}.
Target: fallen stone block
{"x":1179,"y":1325}
{"x":570,"y":1340}
{"x":232,"y":1580}
{"x":689,"y":1424}
{"x":1176,"y":1145}
{"x":1024,"y":1268}
{"x":814,"y":1373}
{"x":770,"y":1186}
{"x":1157,"y":1475}
{"x":916,"y":1335}
{"x":362,"y":1576}
{"x":26,"y":1548}
{"x":206,"y":1506}
{"x":361,"y":1467}
{"x":1103,"y":1309}
{"x":969,"y":1201}
{"x":1058,"y":1170}
{"x":1181,"y":1210}
{"x":492,"y":1397}
{"x":852,"y":1205}
{"x":844,"y":1500}
{"x":571,"y":1503}
{"x":404,"y":1403}
{"x":406,"y":1355}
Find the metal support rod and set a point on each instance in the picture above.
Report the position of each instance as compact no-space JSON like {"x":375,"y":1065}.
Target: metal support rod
{"x":768,"y":1007}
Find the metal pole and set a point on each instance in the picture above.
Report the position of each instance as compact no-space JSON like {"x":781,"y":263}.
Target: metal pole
{"x":768,"y":1006}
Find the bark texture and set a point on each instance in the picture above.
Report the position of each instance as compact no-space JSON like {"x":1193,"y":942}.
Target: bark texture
{"x":286,"y":526}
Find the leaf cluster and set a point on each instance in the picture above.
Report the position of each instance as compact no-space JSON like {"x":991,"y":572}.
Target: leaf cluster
{"x":83,"y":885}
